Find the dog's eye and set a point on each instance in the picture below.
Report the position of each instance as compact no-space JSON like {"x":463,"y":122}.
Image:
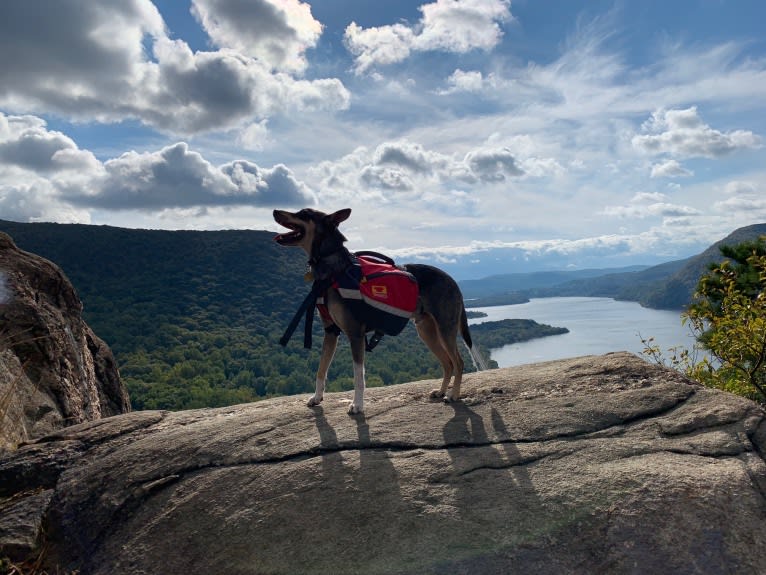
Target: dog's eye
{"x":304,"y":214}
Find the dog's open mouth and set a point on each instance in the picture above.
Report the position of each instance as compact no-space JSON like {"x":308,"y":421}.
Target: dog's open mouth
{"x":292,"y":237}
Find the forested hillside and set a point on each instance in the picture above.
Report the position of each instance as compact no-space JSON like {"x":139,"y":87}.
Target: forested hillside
{"x":194,"y":318}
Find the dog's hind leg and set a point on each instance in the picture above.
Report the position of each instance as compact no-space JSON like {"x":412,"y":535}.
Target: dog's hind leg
{"x":425,"y":324}
{"x":329,"y":343}
{"x":450,"y":342}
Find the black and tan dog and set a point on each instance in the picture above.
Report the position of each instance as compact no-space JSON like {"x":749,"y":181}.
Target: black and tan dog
{"x":439,"y":315}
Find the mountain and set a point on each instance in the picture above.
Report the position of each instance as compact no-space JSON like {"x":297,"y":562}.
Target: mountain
{"x":621,"y":285}
{"x":677,"y":291}
{"x":669,"y":285}
{"x":516,"y":282}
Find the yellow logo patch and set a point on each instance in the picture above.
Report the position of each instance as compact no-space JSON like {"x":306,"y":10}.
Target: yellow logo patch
{"x":379,"y":291}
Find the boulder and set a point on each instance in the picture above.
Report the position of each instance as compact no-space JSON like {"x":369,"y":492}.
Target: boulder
{"x":54,"y":371}
{"x":599,"y":464}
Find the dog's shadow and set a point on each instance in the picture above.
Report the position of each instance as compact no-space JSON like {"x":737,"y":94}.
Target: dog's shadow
{"x":365,"y":463}
{"x":472,"y":447}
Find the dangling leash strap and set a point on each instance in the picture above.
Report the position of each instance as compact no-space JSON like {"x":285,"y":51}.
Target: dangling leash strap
{"x":307,"y":308}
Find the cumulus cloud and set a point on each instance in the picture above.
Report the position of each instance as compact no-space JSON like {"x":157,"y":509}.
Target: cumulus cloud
{"x":683,"y":133}
{"x":176,"y":177}
{"x":38,"y":202}
{"x":26,"y":144}
{"x":274,"y":32}
{"x":45,"y":176}
{"x":457,"y":26}
{"x":670,"y":169}
{"x":108,"y":62}
{"x":410,"y":156}
{"x":35,"y":163}
{"x":493,"y":164}
{"x":462,"y":81}
{"x":394,"y":168}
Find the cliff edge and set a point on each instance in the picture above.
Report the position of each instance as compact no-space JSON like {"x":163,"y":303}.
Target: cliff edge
{"x":54,"y":371}
{"x":587,"y":465}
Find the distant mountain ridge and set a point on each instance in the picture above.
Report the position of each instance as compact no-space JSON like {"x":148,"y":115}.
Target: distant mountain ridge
{"x":495,"y":284}
{"x":669,"y":285}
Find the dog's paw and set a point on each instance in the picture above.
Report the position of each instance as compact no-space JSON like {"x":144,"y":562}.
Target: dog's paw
{"x":437,"y":394}
{"x":355,"y":409}
{"x":314,"y":401}
{"x":449,"y":397}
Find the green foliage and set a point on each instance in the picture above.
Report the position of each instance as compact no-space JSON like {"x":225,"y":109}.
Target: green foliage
{"x":495,"y":334}
{"x":728,"y":318}
{"x":474,"y":314}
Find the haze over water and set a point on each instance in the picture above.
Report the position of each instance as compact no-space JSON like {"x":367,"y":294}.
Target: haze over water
{"x":596,"y":326}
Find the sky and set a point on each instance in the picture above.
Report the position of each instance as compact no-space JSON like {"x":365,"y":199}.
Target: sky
{"x":483,"y":136}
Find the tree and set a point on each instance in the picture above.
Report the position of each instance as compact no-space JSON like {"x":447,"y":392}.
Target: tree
{"x":728,"y":319}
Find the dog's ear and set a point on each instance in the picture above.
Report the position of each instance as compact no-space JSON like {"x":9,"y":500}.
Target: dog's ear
{"x":339,"y":216}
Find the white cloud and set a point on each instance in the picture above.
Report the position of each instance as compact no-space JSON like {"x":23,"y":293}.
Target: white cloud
{"x":457,"y":26}
{"x":176,"y":177}
{"x":45,"y":176}
{"x":274,"y":32}
{"x":650,"y":204}
{"x":255,"y":136}
{"x":462,"y":25}
{"x":35,"y":164}
{"x":395,"y":168}
{"x":670,"y":169}
{"x":410,"y":156}
{"x":683,"y":133}
{"x":87,"y":61}
{"x":740,"y":187}
{"x":493,"y":164}
{"x":462,"y":81}
{"x":745,"y":202}
{"x":378,"y":46}
{"x":26,"y":144}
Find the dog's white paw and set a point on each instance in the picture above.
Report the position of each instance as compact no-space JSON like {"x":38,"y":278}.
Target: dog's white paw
{"x":449,"y":397}
{"x":355,"y":409}
{"x":314,"y":401}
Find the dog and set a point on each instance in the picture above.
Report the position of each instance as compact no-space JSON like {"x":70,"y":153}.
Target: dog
{"x":439,"y":314}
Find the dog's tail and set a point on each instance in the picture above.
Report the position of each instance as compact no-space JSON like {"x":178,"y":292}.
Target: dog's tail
{"x":464,"y":331}
{"x":473,"y":350}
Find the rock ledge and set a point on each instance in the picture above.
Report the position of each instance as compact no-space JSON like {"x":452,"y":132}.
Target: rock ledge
{"x":587,"y":465}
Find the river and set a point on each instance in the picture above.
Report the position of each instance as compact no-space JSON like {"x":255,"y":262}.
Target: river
{"x":596,"y":326}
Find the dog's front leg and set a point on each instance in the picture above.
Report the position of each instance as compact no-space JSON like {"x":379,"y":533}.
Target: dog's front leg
{"x":329,"y":343}
{"x":357,"y":355}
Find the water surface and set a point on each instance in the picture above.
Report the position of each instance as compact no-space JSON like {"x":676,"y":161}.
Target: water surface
{"x":596,"y":326}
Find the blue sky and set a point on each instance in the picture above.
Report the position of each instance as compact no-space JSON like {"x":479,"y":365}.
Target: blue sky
{"x":485,"y":136}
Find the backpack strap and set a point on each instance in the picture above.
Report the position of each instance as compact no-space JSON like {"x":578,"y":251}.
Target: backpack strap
{"x":382,"y":258}
{"x":369,"y":344}
{"x":307,"y":308}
